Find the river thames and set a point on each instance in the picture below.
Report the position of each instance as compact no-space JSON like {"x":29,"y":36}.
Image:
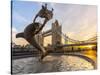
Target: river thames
{"x":86,"y":60}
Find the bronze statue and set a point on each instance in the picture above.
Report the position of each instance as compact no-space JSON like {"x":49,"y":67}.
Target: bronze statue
{"x":44,"y":13}
{"x":34,"y":28}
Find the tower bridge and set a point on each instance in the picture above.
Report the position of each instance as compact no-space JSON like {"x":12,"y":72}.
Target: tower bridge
{"x":57,"y":34}
{"x":56,"y":38}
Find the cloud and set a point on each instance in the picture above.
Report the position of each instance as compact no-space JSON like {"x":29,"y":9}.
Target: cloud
{"x":14,"y":32}
{"x":78,"y":21}
{"x":18,"y":41}
{"x":19,"y":17}
{"x":14,"y":29}
{"x":19,"y":21}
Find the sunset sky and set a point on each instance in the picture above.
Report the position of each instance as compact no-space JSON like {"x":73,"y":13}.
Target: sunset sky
{"x":79,"y":22}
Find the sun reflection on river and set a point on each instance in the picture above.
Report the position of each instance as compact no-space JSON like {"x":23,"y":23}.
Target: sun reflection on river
{"x":91,"y":54}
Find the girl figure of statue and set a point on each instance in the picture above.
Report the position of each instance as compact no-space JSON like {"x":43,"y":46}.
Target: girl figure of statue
{"x":34,"y":28}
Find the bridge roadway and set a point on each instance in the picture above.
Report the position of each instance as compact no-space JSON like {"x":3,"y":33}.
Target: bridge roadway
{"x":79,"y":44}
{"x":47,"y":33}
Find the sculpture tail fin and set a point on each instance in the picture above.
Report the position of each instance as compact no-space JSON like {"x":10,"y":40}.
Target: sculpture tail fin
{"x":20,"y":35}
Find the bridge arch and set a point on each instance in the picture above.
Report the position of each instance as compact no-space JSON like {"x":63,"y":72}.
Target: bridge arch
{"x":56,"y":38}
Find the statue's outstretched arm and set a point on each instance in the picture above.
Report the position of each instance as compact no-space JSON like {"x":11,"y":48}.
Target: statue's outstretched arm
{"x":41,"y":26}
{"x":39,"y":13}
{"x":35,"y":18}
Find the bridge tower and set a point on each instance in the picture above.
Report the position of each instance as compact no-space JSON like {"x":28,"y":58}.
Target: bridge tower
{"x":56,"y":33}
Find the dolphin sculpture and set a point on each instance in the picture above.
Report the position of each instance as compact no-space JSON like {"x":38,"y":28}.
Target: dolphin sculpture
{"x":44,"y":13}
{"x":34,"y":28}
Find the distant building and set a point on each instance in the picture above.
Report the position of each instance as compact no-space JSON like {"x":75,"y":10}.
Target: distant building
{"x":17,"y":46}
{"x":29,"y":46}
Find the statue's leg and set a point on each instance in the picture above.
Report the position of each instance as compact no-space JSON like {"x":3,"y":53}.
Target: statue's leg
{"x":43,"y":55}
{"x":38,"y":46}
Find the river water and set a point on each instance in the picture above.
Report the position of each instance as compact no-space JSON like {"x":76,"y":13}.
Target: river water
{"x":53,"y":63}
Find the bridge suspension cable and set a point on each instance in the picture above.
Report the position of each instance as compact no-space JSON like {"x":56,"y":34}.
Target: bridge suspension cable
{"x":66,"y":38}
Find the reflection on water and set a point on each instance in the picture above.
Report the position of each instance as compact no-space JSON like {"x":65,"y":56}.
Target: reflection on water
{"x":91,"y":54}
{"x":51,"y":63}
{"x":55,"y":63}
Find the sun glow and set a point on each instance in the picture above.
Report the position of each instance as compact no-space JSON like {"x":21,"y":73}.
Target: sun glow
{"x":89,"y":46}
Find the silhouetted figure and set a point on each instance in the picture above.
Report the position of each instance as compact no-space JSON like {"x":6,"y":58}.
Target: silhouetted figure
{"x":34,"y":28}
{"x":44,"y":13}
